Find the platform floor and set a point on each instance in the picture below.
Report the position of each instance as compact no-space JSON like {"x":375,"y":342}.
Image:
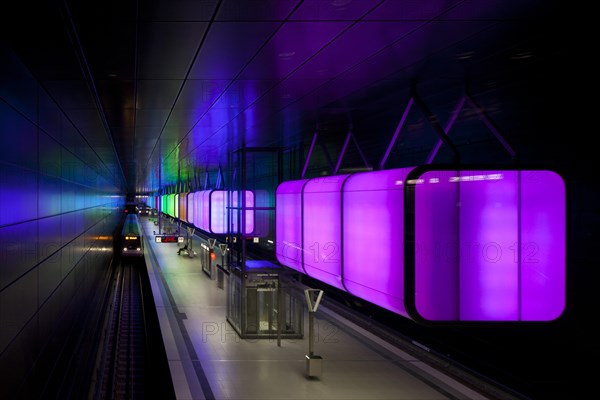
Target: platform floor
{"x":208,"y":360}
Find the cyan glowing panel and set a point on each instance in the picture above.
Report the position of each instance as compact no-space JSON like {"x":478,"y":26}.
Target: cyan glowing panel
{"x":322,"y":229}
{"x":490,"y":245}
{"x":373,"y":237}
{"x":288,"y":224}
{"x":163,"y":203}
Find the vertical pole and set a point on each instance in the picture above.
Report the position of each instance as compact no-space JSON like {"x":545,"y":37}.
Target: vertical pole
{"x":177,"y":197}
{"x":279,"y":310}
{"x":160,"y":196}
{"x":242,"y":200}
{"x":311,"y":333}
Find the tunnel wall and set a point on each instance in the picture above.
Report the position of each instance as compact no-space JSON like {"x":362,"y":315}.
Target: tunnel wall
{"x":58,"y":210}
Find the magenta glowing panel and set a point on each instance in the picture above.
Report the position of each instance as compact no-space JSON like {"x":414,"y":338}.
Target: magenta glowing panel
{"x":543,"y":245}
{"x":476,"y":246}
{"x":288,"y":224}
{"x":322,"y":234}
{"x":373,"y":237}
{"x":489,"y":245}
{"x":205,"y":210}
{"x":190,"y":208}
{"x":218,"y":211}
{"x":436,"y":257}
{"x":199,"y":211}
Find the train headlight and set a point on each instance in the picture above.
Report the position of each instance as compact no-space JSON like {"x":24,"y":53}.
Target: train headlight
{"x":138,"y":249}
{"x":124,"y":248}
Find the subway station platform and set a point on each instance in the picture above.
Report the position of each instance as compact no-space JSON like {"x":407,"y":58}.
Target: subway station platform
{"x":208,"y":360}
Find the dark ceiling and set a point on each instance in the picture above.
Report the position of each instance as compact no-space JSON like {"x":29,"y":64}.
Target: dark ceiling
{"x":158,"y":85}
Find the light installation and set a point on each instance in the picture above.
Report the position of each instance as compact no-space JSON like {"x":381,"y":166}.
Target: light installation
{"x":208,"y":210}
{"x":430,"y":244}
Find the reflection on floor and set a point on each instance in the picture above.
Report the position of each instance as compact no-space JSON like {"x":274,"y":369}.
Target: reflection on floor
{"x":208,"y":360}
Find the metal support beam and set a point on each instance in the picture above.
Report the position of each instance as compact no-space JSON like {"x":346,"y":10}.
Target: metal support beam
{"x":493,"y":128}
{"x":309,"y":155}
{"x":349,"y":136}
{"x":219,"y":183}
{"x":435,"y":123}
{"x":341,"y":156}
{"x":315,"y":139}
{"x":396,"y":133}
{"x":457,"y":109}
{"x":327,"y":156}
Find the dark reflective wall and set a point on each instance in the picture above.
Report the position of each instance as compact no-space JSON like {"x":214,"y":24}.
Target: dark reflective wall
{"x":58,"y":210}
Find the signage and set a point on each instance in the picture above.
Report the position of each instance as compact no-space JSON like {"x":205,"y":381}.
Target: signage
{"x":169,"y":239}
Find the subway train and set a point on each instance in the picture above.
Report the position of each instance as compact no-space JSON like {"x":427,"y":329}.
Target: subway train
{"x":132,"y":238}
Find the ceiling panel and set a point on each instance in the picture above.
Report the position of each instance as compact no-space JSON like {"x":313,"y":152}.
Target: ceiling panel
{"x":255,"y":10}
{"x":335,"y":10}
{"x":157,"y":93}
{"x":491,"y":9}
{"x":150,"y":118}
{"x":432,"y":37}
{"x":266,"y":71}
{"x":183,"y":118}
{"x":177,"y":10}
{"x":295,"y":43}
{"x":411,"y":10}
{"x":242,"y":93}
{"x":228,"y":47}
{"x":280,"y":97}
{"x":71,"y":93}
{"x":168,"y":48}
{"x":199,"y":94}
{"x":359,"y":42}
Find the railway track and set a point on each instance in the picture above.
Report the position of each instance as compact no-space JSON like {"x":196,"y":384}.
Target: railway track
{"x":123,"y":372}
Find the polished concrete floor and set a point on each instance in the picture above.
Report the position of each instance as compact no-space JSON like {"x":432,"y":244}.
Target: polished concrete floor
{"x":208,"y":360}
